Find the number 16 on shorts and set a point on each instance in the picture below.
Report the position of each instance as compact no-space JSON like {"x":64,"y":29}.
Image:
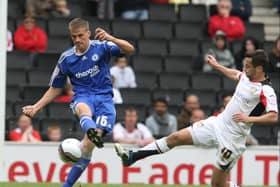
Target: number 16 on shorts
{"x":103,"y":121}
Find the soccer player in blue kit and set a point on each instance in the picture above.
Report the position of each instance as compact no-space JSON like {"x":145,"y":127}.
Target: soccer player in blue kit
{"x":87,"y":66}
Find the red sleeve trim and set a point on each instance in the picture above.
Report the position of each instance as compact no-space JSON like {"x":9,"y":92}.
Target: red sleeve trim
{"x":263,"y":99}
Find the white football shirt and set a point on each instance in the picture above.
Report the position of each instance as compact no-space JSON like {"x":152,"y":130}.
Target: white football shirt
{"x":251,"y":98}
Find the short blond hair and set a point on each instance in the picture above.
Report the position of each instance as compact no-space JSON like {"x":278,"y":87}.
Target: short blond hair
{"x":78,"y":23}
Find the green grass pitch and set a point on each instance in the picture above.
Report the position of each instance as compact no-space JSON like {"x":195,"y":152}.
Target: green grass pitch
{"x":95,"y":185}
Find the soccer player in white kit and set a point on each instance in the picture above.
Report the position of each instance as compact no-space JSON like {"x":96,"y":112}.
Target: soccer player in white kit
{"x":254,"y":101}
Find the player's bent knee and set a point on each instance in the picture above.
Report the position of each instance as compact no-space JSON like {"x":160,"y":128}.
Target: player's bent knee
{"x":182,"y":137}
{"x":82,"y":109}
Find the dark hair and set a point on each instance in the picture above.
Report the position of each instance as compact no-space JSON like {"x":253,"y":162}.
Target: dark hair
{"x":243,"y":45}
{"x":259,"y":58}
{"x":160,"y":100}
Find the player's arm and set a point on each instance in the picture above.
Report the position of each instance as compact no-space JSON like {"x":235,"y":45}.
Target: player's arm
{"x":267,"y":118}
{"x":231,"y":73}
{"x":48,"y":97}
{"x":125,"y":46}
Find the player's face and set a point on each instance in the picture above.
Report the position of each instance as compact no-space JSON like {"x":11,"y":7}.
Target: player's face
{"x":248,"y":68}
{"x":80,"y":38}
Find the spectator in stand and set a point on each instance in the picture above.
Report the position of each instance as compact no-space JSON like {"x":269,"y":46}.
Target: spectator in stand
{"x":191,"y":102}
{"x":29,"y":37}
{"x":10,"y":43}
{"x":47,"y":8}
{"x":232,"y":25}
{"x":67,"y":95}
{"x":242,"y":9}
{"x":54,"y":133}
{"x":249,"y":45}
{"x":276,"y":6}
{"x":274,"y":57}
{"x":117,"y":98}
{"x":60,"y":9}
{"x":124,"y":74}
{"x":131,"y":131}
{"x":161,"y":122}
{"x":134,"y":10}
{"x":206,"y":2}
{"x":226,"y":97}
{"x":24,"y":132}
{"x":38,"y":8}
{"x":197,"y":115}
{"x":220,"y":52}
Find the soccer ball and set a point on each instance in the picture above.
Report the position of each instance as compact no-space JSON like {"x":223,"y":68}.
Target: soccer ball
{"x":69,"y":150}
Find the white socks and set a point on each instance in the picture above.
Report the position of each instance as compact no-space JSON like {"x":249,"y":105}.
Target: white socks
{"x":159,"y":145}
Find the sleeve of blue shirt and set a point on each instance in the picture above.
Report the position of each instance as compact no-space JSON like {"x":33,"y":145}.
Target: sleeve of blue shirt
{"x":113,"y":49}
{"x":58,"y":78}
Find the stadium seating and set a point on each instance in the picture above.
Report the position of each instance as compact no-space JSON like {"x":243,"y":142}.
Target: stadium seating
{"x":157,"y":30}
{"x":39,"y":78}
{"x":265,"y":134}
{"x":12,"y":93}
{"x":127,"y":29}
{"x":178,"y":64}
{"x":162,"y":12}
{"x":18,"y":60}
{"x":173,"y":96}
{"x":146,"y":80}
{"x":170,"y":48}
{"x":206,"y":81}
{"x":185,"y":30}
{"x":45,"y":61}
{"x":32,"y":93}
{"x":147,"y":63}
{"x":193,"y":13}
{"x":60,"y":111}
{"x":183,"y":47}
{"x":58,"y":44}
{"x":152,"y":47}
{"x":58,"y":27}
{"x":136,"y":96}
{"x":16,"y":77}
{"x":174,"y":81}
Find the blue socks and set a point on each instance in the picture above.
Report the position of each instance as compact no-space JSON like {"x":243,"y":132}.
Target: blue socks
{"x":86,"y":123}
{"x":75,"y":172}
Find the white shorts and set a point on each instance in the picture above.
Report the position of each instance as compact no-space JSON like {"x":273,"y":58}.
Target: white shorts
{"x":206,"y":134}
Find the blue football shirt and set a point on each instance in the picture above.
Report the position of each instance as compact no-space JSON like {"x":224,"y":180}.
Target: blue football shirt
{"x":89,"y":72}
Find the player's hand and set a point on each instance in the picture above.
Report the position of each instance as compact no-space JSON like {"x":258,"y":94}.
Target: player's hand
{"x":102,"y":35}
{"x":29,"y":110}
{"x":212,"y":60}
{"x":241,"y":117}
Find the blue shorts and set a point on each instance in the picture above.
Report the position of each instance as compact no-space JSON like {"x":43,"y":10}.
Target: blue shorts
{"x":102,"y":108}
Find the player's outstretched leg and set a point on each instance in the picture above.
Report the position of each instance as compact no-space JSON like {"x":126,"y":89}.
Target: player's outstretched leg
{"x":89,"y":127}
{"x":128,"y":157}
